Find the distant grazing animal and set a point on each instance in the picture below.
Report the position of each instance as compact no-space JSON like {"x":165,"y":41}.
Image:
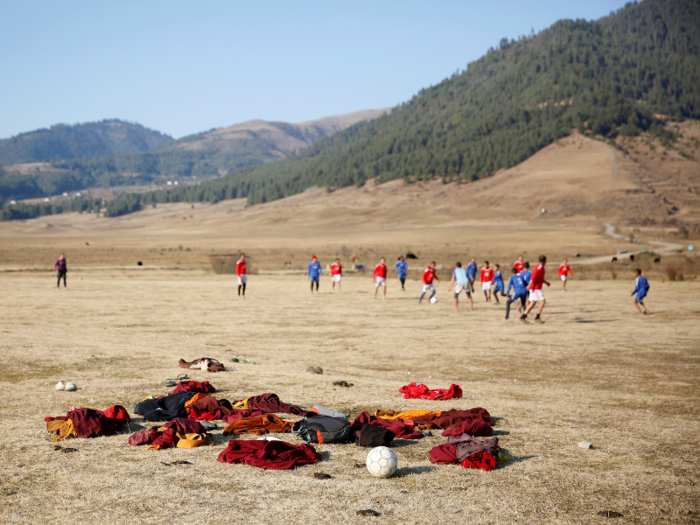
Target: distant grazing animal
{"x":288,"y":264}
{"x":576,"y":255}
{"x":139,"y":263}
{"x":614,"y":259}
{"x":631,"y":258}
{"x":410,"y":255}
{"x":355,"y":259}
{"x":657,"y":260}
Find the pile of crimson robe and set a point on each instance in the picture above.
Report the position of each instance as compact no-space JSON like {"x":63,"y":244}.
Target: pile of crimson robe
{"x":468,"y":452}
{"x":88,"y":422}
{"x":180,"y":432}
{"x":273,"y":454}
{"x":194,"y":386}
{"x":414,"y":391}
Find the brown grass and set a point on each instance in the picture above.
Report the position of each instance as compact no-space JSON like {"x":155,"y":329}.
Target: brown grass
{"x":595,"y":371}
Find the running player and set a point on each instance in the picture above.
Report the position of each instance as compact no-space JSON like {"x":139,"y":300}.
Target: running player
{"x":641,"y":288}
{"x":242,"y":276}
{"x":536,"y":294}
{"x":519,"y":264}
{"x":314,"y":272}
{"x":336,"y":273}
{"x":401,"y":269}
{"x":525,"y":273}
{"x":471,"y":273}
{"x":519,"y":291}
{"x":461,"y":282}
{"x":379,"y":277}
{"x":498,"y":286}
{"x":564,"y":272}
{"x":486,"y":280}
{"x":428,"y":276}
{"x":61,"y":270}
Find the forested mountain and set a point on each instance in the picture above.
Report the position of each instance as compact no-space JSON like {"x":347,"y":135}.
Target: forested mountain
{"x":607,"y":77}
{"x":93,"y":139}
{"x":204,"y":156}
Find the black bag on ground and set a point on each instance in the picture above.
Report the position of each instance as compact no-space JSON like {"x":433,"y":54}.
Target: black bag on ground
{"x":323,"y":429}
{"x":373,"y":436}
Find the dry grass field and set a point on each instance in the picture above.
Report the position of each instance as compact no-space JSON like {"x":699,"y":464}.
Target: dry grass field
{"x":595,"y":371}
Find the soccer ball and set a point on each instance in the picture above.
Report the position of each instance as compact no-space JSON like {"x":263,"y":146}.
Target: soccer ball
{"x":381,"y":462}
{"x":433,"y":300}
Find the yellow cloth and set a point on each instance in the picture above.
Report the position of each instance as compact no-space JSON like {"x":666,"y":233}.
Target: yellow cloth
{"x":408,"y":414}
{"x":194,"y":440}
{"x":502,"y":458}
{"x":243,"y":404}
{"x":64,"y":429}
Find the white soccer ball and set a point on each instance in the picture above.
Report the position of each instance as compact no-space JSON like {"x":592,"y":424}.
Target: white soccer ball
{"x":433,"y":300}
{"x":382,"y":462}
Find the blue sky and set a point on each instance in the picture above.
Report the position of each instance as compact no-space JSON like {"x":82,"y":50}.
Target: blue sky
{"x":184,"y":67}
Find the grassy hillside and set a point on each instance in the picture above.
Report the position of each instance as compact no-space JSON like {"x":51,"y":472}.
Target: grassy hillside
{"x":93,"y":139}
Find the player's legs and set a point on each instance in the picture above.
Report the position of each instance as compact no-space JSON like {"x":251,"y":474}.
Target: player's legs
{"x":244,"y":283}
{"x":421,"y":297}
{"x":376,"y":287}
{"x":456,"y":302}
{"x":508,"y":301}
{"x":563,"y":282}
{"x":539,"y":310}
{"x":495,"y":295}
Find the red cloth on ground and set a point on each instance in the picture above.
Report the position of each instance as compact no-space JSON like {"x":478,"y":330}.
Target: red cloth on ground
{"x":401,"y":429}
{"x":452,"y":418}
{"x":118,"y":413}
{"x":473,"y":428}
{"x":144,"y":437}
{"x":185,"y":425}
{"x":444,"y":454}
{"x":414,"y":391}
{"x":235,"y":415}
{"x":270,"y":403}
{"x":481,"y":460}
{"x":92,"y":423}
{"x":194,"y":386}
{"x":269,"y":454}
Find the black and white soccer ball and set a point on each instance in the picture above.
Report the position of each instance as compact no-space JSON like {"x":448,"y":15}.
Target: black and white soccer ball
{"x":382,"y":462}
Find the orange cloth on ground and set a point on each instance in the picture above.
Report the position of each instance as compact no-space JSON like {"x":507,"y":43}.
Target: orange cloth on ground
{"x":193,"y":440}
{"x":193,"y":399}
{"x":258,"y":425}
{"x":244,"y":403}
{"x":408,"y":414}
{"x":64,"y":429}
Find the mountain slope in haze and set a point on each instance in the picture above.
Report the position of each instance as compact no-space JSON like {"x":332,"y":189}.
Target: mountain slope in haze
{"x":204,"y":155}
{"x":607,"y":77}
{"x":92,"y":139}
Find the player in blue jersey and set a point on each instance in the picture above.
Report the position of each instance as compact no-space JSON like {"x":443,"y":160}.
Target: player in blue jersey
{"x":519,"y":287}
{"x":315,"y":271}
{"x":401,"y":269}
{"x":471,"y":273}
{"x":641,"y":288}
{"x":498,"y":283}
{"x":526,"y":274}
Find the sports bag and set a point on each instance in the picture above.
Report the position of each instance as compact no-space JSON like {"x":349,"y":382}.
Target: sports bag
{"x":323,"y":429}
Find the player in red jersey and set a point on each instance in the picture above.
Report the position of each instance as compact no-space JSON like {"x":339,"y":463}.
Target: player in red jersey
{"x":564,"y":272}
{"x":336,"y":273}
{"x":242,"y":276}
{"x":486,"y":280}
{"x":518,"y":265}
{"x":535,"y":287}
{"x":379,"y":277}
{"x":428,"y":276}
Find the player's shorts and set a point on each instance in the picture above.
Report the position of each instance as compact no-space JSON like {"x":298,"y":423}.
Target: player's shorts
{"x":499,"y":288}
{"x":486,"y":286}
{"x":640,"y":298}
{"x":336,"y":278}
{"x":314,"y":278}
{"x":563,"y":278}
{"x":427,"y":287}
{"x":242,"y":279}
{"x":379,"y":281}
{"x":465,"y":287}
{"x":536,"y":295}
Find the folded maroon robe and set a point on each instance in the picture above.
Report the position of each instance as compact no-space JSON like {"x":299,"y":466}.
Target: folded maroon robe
{"x":235,"y":415}
{"x":445,"y":454}
{"x":270,"y":403}
{"x":269,"y":454}
{"x":452,"y":418}
{"x":401,"y":429}
{"x":473,"y":428}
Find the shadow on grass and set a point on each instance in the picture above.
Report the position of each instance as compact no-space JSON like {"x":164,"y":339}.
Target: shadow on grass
{"x":588,"y":321}
{"x":516,"y":459}
{"x":408,"y":471}
{"x":398,"y":443}
{"x":500,"y":433}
